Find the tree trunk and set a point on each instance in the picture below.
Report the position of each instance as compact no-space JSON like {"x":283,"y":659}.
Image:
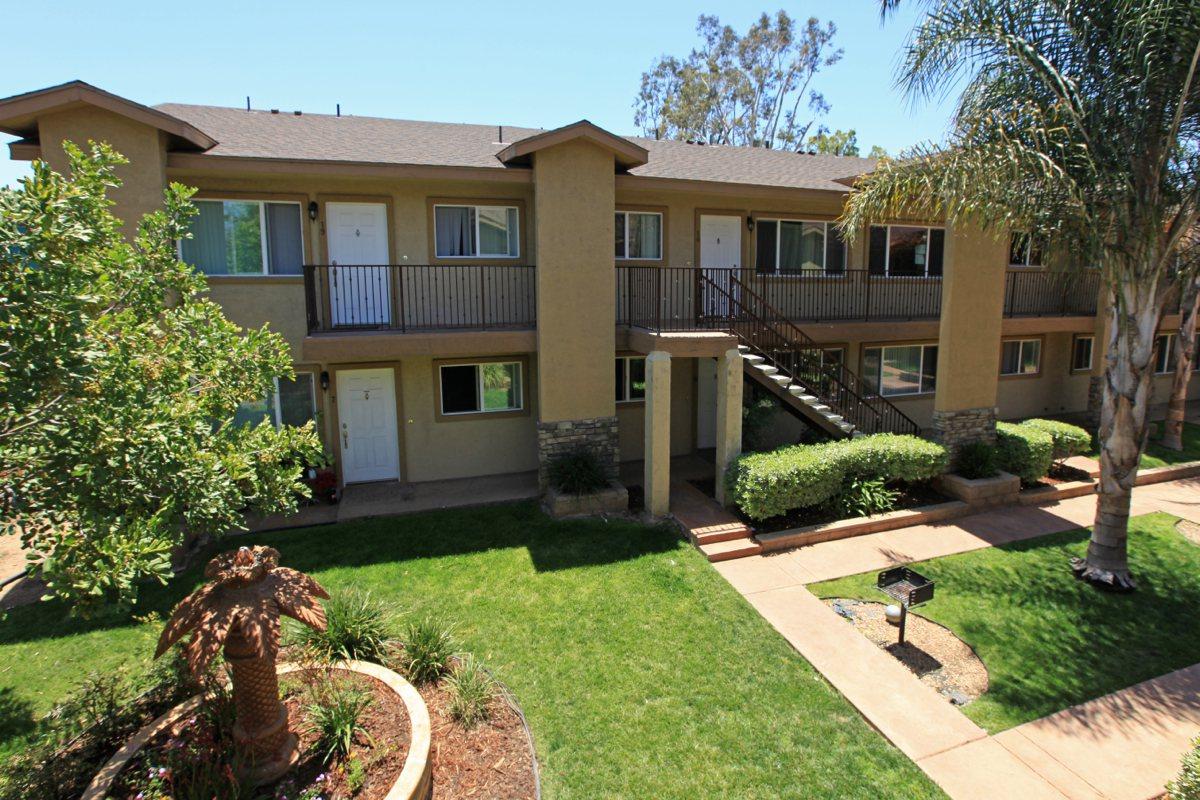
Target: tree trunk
{"x":1185,"y":355}
{"x":1127,"y":385}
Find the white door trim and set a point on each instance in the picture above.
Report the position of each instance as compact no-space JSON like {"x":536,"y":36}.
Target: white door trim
{"x":368,"y":428}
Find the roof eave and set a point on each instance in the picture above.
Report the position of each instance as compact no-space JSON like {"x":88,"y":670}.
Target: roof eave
{"x":627,"y":154}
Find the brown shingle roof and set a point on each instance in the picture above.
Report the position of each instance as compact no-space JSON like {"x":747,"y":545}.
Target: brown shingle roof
{"x":373,"y":140}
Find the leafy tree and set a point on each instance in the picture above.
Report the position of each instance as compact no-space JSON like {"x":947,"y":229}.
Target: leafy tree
{"x":877,"y":152}
{"x":838,"y":143}
{"x":118,"y":384}
{"x":1079,"y":122}
{"x":743,"y":90}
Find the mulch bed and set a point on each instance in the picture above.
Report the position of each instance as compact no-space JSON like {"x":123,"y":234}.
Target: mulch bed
{"x":911,"y":496}
{"x":934,"y":654}
{"x":491,"y":761}
{"x":1061,"y":473}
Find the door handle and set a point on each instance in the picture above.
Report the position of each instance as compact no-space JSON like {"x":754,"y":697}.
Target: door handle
{"x":345,"y":437}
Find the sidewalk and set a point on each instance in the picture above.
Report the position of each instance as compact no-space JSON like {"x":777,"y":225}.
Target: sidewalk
{"x":1124,"y":746}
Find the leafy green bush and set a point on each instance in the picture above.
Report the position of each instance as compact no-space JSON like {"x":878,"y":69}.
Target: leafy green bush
{"x":577,"y":473}
{"x":1186,"y":785}
{"x":335,"y":716}
{"x":428,"y":648}
{"x":862,"y":497}
{"x":977,"y":460}
{"x":472,"y":690}
{"x":892,"y":457}
{"x":1024,"y":451}
{"x":769,"y":484}
{"x":1069,"y":440}
{"x":359,"y":627}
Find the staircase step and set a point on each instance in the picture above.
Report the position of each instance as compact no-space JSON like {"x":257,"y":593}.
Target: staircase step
{"x":820,"y":408}
{"x":798,"y":393}
{"x":727,"y":551}
{"x":727,"y":532}
{"x":781,"y":378}
{"x":766,"y":369}
{"x":753,"y":360}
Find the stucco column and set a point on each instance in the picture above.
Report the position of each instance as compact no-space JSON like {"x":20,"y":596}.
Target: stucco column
{"x":657,"y":481}
{"x":729,"y":415}
{"x":574,"y":197}
{"x":968,"y":371}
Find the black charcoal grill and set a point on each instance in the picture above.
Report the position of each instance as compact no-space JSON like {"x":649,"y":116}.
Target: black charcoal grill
{"x":907,"y":588}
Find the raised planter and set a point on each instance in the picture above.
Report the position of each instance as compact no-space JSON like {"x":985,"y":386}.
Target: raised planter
{"x":415,"y":781}
{"x":858,"y":526}
{"x":614,"y":499}
{"x":1000,"y":490}
{"x":1171,"y":472}
{"x":1049,"y":494}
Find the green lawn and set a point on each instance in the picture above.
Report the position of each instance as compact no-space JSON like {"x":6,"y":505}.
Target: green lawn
{"x":643,"y":674}
{"x":1049,"y":641}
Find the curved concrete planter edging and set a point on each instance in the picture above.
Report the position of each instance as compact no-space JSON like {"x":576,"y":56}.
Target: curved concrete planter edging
{"x":416,"y":778}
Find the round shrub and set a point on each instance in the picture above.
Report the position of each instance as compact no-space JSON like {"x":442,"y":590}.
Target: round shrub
{"x":769,"y":484}
{"x":1186,"y":785}
{"x":977,"y":460}
{"x":1069,"y":440}
{"x":1025,"y":452}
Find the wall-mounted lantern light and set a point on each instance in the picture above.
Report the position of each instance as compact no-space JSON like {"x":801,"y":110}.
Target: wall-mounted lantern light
{"x":749,"y":223}
{"x":313,"y":210}
{"x":324,"y":380}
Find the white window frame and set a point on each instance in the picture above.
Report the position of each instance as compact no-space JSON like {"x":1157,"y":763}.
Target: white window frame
{"x":823,"y":272}
{"x":887,"y":251}
{"x":1021,"y":357}
{"x":262,"y":236}
{"x":626,"y":393}
{"x":1028,"y":252}
{"x":478,"y":239}
{"x":277,"y":406}
{"x":479,"y":389}
{"x":1091,"y":352}
{"x":1164,"y":353}
{"x":625,"y":240}
{"x":883,"y":348}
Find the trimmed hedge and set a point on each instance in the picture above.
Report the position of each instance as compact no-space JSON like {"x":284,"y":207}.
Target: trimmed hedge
{"x":769,"y":484}
{"x":1069,"y":440}
{"x":1024,"y":451}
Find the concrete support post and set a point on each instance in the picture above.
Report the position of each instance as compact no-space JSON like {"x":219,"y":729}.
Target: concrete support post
{"x":657,"y":481}
{"x":968,"y":365}
{"x":729,"y":415}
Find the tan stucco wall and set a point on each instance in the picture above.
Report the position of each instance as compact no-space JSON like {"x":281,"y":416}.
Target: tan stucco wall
{"x":972,"y":305}
{"x":631,"y":417}
{"x":576,"y":303}
{"x":145,"y":147}
{"x":252,"y":302}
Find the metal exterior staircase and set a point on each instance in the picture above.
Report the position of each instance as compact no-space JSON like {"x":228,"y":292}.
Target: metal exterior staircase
{"x":787,"y":362}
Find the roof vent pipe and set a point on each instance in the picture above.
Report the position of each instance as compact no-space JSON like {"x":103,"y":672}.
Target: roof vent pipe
{"x":247,"y":102}
{"x":339,"y":109}
{"x":274,"y":110}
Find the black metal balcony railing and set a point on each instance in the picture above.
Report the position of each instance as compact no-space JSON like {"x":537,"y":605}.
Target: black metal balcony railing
{"x":683,"y":298}
{"x":419,"y":297}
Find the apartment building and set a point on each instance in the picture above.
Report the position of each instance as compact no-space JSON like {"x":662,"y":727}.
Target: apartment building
{"x":466,"y":300}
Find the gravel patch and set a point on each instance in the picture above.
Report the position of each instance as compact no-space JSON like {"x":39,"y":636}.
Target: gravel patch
{"x":935,"y":655}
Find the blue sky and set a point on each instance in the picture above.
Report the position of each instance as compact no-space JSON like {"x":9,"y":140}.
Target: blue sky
{"x":517,"y":63}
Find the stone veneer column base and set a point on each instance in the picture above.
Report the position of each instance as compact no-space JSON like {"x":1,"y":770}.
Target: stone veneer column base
{"x":1095,"y":400}
{"x":953,"y":429}
{"x":557,"y":439}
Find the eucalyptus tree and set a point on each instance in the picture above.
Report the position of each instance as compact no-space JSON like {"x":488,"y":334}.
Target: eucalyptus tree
{"x":1077,"y":122}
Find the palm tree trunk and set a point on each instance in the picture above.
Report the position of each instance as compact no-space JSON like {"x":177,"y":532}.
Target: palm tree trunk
{"x":1127,"y":387}
{"x":1185,"y":354}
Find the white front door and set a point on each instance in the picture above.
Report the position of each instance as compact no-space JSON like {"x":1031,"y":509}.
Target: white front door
{"x":720,"y":250}
{"x":706,"y":403}
{"x":366,"y":400}
{"x":357,"y":234}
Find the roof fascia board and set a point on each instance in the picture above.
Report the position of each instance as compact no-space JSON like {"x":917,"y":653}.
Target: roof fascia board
{"x":197,"y":162}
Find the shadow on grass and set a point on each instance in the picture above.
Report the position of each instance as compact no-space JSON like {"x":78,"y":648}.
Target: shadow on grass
{"x":16,"y":715}
{"x":552,"y":545}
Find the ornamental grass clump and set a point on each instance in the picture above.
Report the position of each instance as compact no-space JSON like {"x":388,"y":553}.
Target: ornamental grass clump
{"x":977,"y":460}
{"x":335,"y":716}
{"x":358,"y":627}
{"x":428,"y":650}
{"x":472,"y":690}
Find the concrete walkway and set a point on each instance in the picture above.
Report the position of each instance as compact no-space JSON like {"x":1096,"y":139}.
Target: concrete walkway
{"x":1121,"y":747}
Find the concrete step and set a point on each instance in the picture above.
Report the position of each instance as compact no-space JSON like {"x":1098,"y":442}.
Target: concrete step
{"x":765,"y":368}
{"x":727,"y":532}
{"x":727,"y":551}
{"x":781,"y":378}
{"x":753,"y":360}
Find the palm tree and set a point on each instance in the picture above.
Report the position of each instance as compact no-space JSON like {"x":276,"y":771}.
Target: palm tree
{"x":1077,"y":122}
{"x":240,"y":609}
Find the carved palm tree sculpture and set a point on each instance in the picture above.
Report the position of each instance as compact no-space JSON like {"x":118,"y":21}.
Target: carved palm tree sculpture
{"x":240,"y":609}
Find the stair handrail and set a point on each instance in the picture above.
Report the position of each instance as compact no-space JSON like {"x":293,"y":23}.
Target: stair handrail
{"x":849,"y":394}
